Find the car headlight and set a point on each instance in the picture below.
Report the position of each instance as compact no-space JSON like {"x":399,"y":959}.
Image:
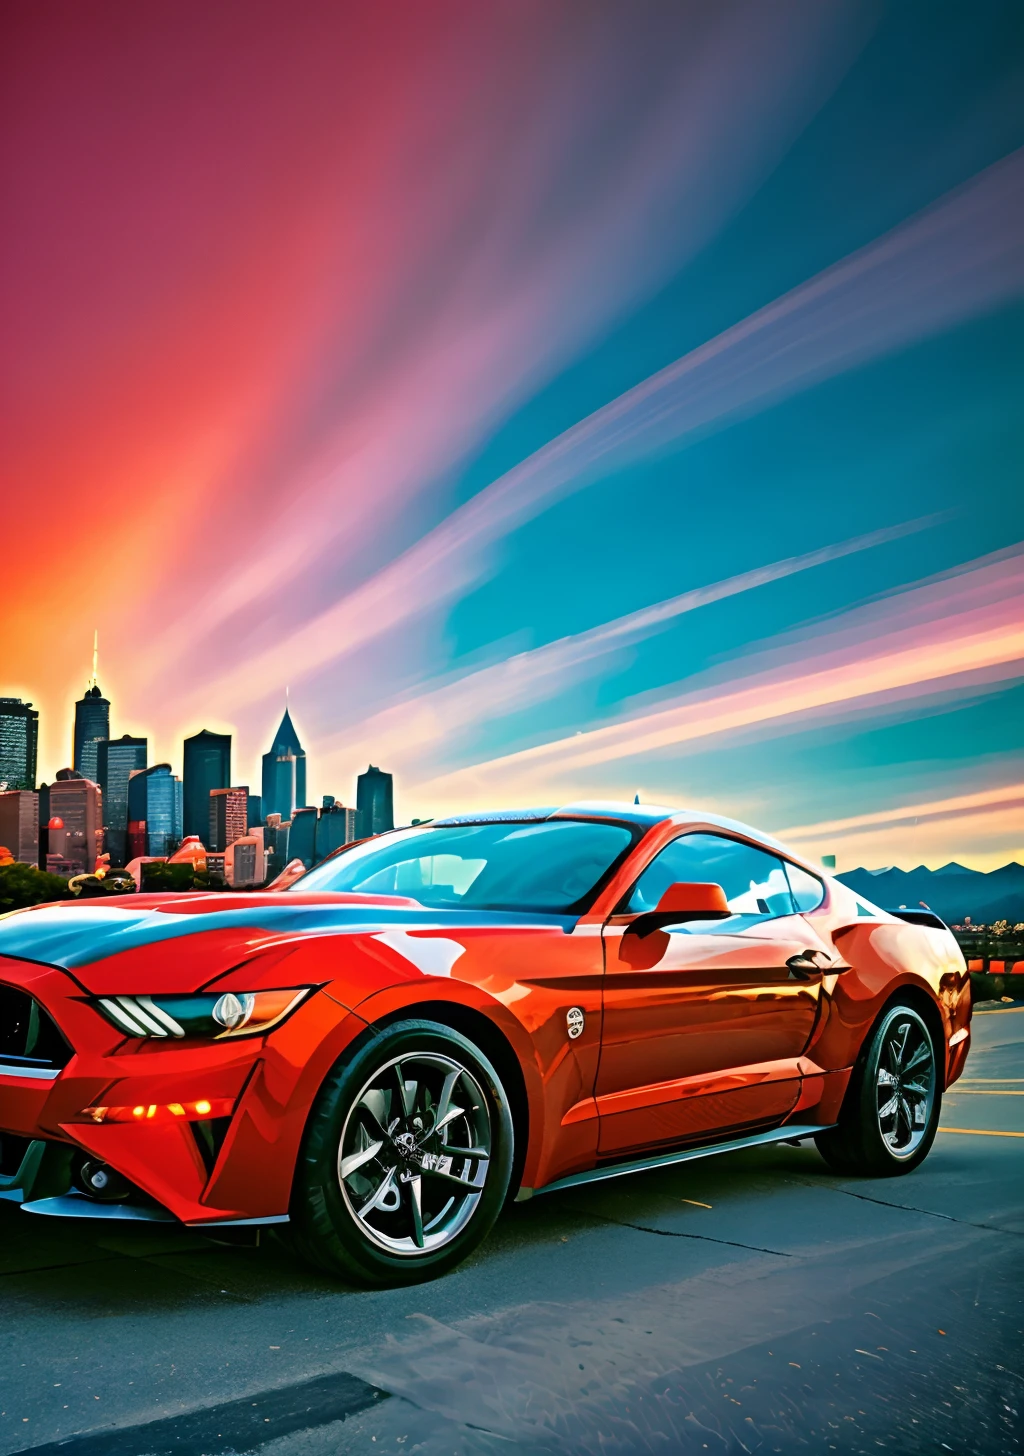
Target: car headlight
{"x":217,"y":1015}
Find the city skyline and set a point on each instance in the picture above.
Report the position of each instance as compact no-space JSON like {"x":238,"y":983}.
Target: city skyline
{"x":638,"y":419}
{"x":844,"y":843}
{"x":113,"y":808}
{"x":99,"y":748}
{"x":30,"y":714}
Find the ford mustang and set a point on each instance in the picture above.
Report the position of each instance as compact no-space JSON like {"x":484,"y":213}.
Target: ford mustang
{"x":443,"y":1018}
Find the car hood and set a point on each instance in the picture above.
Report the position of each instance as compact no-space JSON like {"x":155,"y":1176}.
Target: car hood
{"x":96,"y":938}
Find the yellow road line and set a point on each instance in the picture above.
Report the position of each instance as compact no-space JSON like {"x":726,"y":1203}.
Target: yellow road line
{"x":985,"y":1092}
{"x":999,"y":1010}
{"x":998,"y":1081}
{"x":981,"y":1132}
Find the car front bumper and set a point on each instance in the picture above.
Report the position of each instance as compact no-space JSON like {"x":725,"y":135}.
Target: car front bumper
{"x":235,"y":1168}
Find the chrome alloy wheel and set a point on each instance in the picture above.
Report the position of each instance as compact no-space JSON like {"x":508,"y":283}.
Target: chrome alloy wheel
{"x":906,"y":1081}
{"x":414,"y":1153}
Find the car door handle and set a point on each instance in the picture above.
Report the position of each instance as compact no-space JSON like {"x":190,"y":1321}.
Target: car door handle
{"x":807,"y":963}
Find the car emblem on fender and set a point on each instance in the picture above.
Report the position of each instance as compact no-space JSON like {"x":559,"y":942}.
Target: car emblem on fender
{"x":574,"y":1020}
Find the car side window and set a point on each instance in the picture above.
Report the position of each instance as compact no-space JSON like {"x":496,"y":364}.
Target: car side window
{"x":754,"y":880}
{"x":808,"y":890}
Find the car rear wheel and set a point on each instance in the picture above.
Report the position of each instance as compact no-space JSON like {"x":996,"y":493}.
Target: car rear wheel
{"x":406,"y":1159}
{"x":891,"y":1110}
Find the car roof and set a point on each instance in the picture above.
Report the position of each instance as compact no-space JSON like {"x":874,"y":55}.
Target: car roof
{"x":643,"y":815}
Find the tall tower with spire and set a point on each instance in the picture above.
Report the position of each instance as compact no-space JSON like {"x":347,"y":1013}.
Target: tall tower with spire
{"x":92,"y":722}
{"x":284,"y":772}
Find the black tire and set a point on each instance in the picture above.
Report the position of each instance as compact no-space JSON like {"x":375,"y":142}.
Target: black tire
{"x":890,"y":1113}
{"x":398,"y":1215}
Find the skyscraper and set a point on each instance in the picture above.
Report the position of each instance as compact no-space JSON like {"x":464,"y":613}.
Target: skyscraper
{"x":92,"y":726}
{"x":284,"y":772}
{"x":19,"y":735}
{"x":117,"y":759}
{"x":375,"y":801}
{"x":302,"y":836}
{"x":207,"y":766}
{"x":229,"y":818}
{"x":19,"y":824}
{"x":154,"y":810}
{"x":245,"y":860}
{"x":275,"y":833}
{"x":278,"y":784}
{"x":336,"y":826}
{"x":92,"y":722}
{"x":78,"y":802}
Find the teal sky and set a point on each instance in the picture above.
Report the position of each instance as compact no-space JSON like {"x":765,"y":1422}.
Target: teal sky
{"x":933,"y":428}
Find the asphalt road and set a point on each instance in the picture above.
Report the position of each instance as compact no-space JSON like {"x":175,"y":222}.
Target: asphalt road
{"x":746,"y":1303}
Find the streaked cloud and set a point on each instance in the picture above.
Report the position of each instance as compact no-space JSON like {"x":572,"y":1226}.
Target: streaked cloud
{"x":959,"y":257}
{"x":406,"y":732}
{"x":987,"y":827}
{"x":276,"y":274}
{"x":416,"y":389}
{"x":963,"y":630}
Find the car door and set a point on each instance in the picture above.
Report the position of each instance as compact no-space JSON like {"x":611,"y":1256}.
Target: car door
{"x":704,"y":1023}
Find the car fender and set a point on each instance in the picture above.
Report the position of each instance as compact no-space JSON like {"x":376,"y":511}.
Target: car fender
{"x":368,"y":980}
{"x":886,"y":958}
{"x":388,"y":1003}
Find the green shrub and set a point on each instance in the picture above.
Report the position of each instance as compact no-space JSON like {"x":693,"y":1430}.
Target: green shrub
{"x":24,"y":884}
{"x":159,"y":877}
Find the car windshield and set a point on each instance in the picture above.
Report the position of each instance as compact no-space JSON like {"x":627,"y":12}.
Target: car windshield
{"x":553,"y":866}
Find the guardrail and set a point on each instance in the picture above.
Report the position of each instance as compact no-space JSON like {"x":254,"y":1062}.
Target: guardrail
{"x":996,"y":963}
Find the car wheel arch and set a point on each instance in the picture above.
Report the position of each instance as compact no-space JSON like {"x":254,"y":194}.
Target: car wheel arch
{"x":485,"y":1033}
{"x":914,"y":995}
{"x":478,"y":1027}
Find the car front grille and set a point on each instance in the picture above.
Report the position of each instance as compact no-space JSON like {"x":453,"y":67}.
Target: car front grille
{"x":29,"y":1038}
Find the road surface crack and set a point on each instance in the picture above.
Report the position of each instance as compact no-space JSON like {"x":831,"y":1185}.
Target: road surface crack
{"x":643,"y":1228}
{"x":989,"y":1228}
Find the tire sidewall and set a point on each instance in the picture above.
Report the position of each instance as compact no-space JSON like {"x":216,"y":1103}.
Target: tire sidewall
{"x":876,"y":1148}
{"x":326,"y":1227}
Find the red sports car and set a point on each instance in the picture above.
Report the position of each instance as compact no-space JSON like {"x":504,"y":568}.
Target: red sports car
{"x":441,"y":1018}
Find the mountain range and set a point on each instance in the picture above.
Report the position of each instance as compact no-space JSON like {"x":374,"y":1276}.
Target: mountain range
{"x":953,"y":891}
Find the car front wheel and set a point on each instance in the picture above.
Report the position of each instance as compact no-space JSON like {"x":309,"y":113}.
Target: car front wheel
{"x":891,"y":1111}
{"x":406,"y":1160}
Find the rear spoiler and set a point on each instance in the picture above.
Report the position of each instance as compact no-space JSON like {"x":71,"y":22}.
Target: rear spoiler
{"x":920,"y":917}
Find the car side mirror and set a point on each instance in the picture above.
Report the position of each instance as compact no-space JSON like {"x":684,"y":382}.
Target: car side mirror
{"x":680,"y":902}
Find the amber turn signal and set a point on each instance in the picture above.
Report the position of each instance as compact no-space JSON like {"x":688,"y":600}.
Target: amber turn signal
{"x":160,"y":1111}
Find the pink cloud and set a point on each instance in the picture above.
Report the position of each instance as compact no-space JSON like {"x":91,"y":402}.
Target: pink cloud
{"x":987,"y":828}
{"x":963,"y":628}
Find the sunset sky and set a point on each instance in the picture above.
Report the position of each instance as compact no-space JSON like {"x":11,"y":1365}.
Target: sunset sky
{"x":561,"y":400}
